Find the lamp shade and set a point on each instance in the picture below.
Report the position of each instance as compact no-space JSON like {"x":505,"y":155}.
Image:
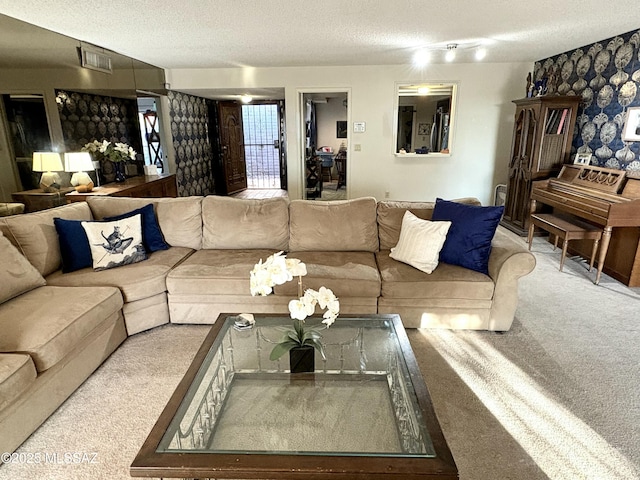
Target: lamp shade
{"x":47,"y":162}
{"x":78,"y":162}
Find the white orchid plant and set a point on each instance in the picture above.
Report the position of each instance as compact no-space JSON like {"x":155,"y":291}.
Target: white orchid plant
{"x":276,"y":270}
{"x":115,"y":152}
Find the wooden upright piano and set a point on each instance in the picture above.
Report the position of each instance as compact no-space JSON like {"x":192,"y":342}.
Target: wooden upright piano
{"x":605,"y":197}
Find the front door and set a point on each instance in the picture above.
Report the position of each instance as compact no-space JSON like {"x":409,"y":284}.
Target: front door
{"x":232,"y":146}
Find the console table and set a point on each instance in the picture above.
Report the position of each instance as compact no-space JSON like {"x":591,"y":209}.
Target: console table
{"x":146,"y":186}
{"x":36,"y":199}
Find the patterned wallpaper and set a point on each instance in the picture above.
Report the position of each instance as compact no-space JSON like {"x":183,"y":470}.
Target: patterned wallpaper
{"x":607,"y":76}
{"x":190,"y":133}
{"x":86,"y":117}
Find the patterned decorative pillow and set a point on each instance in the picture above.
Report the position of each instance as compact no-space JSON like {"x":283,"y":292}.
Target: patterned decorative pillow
{"x":17,"y":275}
{"x":151,"y":234}
{"x":420,"y":242}
{"x":117,"y":243}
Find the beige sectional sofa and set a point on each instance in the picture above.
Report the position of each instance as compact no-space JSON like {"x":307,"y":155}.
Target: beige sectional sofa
{"x":54,"y":335}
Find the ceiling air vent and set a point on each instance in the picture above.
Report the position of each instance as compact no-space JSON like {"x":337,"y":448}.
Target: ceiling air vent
{"x":96,"y":61}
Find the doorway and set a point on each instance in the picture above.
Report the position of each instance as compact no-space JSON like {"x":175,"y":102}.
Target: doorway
{"x":150,"y":132}
{"x":28,"y":132}
{"x":262,"y":145}
{"x":325,"y":141}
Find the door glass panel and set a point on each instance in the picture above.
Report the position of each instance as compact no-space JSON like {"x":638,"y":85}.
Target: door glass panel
{"x":261,"y":145}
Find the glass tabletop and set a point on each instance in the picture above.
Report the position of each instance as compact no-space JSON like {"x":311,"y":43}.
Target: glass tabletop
{"x":360,"y":401}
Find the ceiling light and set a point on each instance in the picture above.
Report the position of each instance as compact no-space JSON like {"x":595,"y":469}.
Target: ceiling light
{"x":421,"y":58}
{"x":246,"y":98}
{"x":451,"y":52}
{"x":423,"y":90}
{"x":481,"y":53}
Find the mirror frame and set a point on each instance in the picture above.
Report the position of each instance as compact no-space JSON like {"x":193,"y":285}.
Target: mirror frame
{"x":452,"y":118}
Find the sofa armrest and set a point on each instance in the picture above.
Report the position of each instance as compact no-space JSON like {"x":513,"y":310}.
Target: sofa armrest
{"x":509,"y":260}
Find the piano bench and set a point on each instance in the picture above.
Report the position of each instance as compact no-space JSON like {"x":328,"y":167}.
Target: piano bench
{"x":568,"y":228}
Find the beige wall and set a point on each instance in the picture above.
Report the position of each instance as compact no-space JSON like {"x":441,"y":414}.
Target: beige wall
{"x":481,"y":134}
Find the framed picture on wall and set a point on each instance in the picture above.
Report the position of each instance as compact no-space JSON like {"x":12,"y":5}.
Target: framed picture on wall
{"x":424,"y":128}
{"x":631,"y":130}
{"x":582,"y":159}
{"x":341,"y":129}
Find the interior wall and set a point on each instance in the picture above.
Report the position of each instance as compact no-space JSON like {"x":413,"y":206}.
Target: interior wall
{"x":189,"y":117}
{"x":607,"y":76}
{"x":482,"y":130}
{"x":327,"y":114}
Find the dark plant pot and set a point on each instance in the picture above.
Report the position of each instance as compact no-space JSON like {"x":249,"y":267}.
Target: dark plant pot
{"x":119,"y":169}
{"x":302,"y":359}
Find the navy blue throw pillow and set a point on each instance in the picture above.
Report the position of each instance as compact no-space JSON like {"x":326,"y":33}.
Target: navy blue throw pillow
{"x":74,"y":246}
{"x":152,"y":238}
{"x":468,"y":242}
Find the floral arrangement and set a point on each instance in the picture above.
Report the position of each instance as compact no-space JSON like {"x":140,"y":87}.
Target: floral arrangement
{"x":276,"y":270}
{"x":115,"y":152}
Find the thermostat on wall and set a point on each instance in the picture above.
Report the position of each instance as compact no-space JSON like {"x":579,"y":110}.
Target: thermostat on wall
{"x":359,"y":127}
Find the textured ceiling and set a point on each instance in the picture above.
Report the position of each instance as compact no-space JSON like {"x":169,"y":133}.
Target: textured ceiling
{"x":260,"y":33}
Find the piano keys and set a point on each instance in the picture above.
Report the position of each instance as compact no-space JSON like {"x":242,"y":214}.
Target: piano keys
{"x":607,"y":198}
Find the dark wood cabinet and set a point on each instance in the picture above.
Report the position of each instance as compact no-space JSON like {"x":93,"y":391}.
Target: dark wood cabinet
{"x":152,"y":186}
{"x":35,"y":200}
{"x":542,"y":136}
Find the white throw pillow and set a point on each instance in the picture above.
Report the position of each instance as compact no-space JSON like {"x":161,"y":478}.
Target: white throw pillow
{"x":420,"y":242}
{"x":116,"y":243}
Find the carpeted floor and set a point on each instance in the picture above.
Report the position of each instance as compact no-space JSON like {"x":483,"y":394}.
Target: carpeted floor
{"x":557,"y":397}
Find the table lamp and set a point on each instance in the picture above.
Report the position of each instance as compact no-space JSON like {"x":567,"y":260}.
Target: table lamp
{"x":79,"y":163}
{"x":49,"y":163}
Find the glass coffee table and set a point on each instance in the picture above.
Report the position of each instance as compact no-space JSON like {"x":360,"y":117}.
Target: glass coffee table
{"x":364,"y":413}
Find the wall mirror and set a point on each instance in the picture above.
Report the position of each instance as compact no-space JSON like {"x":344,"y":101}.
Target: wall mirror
{"x":38,"y":68}
{"x":425,"y":118}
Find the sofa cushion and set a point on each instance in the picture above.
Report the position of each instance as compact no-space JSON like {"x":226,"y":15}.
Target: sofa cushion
{"x":390,"y":215}
{"x":215,"y":272}
{"x":117,"y":243}
{"x":420,"y":242}
{"x":136,"y":281}
{"x":47,"y":323}
{"x":468,"y":242}
{"x":233,"y":223}
{"x":400,"y":280}
{"x":180,"y":219}
{"x":17,"y":275}
{"x":36,"y":237}
{"x":342,"y":225}
{"x":151,"y":234}
{"x":17,"y":373}
{"x":347,"y":274}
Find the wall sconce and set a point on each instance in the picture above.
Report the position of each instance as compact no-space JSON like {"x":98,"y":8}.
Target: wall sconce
{"x":80,"y":163}
{"x":49,"y":163}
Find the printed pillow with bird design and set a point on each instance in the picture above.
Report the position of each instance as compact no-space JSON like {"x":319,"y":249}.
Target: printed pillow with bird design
{"x":117,"y":243}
